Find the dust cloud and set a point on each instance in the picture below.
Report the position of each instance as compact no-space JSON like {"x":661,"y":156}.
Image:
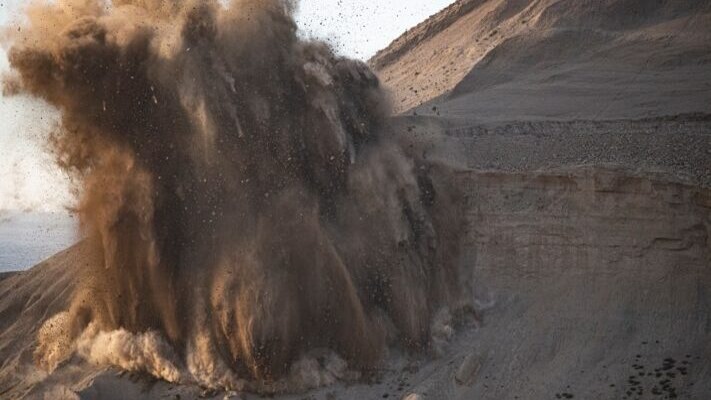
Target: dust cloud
{"x":256,"y":222}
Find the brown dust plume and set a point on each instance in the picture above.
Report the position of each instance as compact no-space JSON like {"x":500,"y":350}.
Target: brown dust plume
{"x":241,"y":186}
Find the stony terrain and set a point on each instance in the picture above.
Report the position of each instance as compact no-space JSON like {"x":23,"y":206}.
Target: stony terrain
{"x":678,"y":145}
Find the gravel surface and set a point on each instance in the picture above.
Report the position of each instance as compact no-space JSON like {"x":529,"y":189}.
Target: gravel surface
{"x":678,"y":145}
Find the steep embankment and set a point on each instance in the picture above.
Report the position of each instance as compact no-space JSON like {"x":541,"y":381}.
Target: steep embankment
{"x":601,"y":281}
{"x":554,"y":59}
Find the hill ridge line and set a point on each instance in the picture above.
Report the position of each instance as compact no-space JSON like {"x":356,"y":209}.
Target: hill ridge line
{"x":426,"y":29}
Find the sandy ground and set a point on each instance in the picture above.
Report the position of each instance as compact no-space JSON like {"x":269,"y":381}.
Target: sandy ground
{"x":585,"y":157}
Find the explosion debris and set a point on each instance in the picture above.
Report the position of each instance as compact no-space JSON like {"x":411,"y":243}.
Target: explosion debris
{"x":240,"y":183}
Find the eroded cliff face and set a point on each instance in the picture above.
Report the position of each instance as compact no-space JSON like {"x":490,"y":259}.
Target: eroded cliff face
{"x":584,"y":221}
{"x":596,"y":276}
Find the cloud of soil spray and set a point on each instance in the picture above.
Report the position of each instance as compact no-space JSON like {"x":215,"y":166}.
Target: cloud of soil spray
{"x":241,"y":187}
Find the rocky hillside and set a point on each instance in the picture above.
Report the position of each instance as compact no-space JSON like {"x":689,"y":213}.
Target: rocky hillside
{"x":554,"y":59}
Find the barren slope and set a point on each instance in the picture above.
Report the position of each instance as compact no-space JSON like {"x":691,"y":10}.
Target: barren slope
{"x":27,"y":299}
{"x":554,"y":59}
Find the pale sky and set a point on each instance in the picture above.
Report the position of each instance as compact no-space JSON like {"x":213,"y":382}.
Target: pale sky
{"x":359,"y":28}
{"x":28,"y":179}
